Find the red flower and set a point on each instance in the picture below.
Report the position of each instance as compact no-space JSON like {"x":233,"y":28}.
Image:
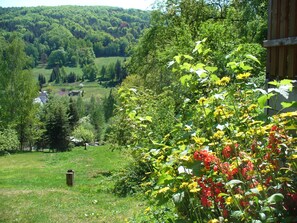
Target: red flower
{"x":274,"y":128}
{"x":205,"y":202}
{"x":206,"y":157}
{"x":227,"y":151}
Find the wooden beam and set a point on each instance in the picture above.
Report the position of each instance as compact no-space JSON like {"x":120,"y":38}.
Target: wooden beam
{"x":280,"y":42}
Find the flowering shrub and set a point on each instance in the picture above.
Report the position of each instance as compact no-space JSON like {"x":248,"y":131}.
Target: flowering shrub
{"x":225,"y":161}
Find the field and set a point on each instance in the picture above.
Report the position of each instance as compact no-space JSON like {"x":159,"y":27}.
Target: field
{"x":90,"y":88}
{"x":101,"y":61}
{"x":33,"y":187}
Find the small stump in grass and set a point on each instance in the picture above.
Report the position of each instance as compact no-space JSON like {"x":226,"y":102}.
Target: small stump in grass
{"x":70,"y":178}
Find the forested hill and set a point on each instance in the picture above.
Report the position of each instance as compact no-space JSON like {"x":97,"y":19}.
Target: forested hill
{"x":73,"y":31}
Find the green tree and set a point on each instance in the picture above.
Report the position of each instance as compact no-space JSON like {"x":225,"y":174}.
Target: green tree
{"x":57,"y":123}
{"x":81,"y":108}
{"x":73,"y":113}
{"x":90,"y":72}
{"x":118,"y":70}
{"x":84,"y":132}
{"x":96,"y":114}
{"x":86,"y":56}
{"x":8,"y":140}
{"x":17,"y":88}
{"x":103,"y":72}
{"x":57,"y":58}
{"x":41,"y":80}
{"x":108,"y":105}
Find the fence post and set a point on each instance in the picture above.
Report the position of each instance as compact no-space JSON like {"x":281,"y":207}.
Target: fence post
{"x":70,"y":178}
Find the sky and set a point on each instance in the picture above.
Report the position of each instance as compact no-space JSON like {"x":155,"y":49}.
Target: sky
{"x":138,"y":4}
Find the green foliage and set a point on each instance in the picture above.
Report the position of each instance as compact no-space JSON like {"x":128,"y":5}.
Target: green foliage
{"x":57,"y":58}
{"x":129,"y":180}
{"x":61,"y":34}
{"x":84,"y":132}
{"x":17,"y":88}
{"x":57,"y":123}
{"x":8,"y":140}
{"x":90,"y":72}
{"x":73,"y":113}
{"x":97,"y":119}
{"x":220,"y":159}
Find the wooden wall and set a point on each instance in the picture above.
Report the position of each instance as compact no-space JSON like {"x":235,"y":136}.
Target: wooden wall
{"x":281,"y":43}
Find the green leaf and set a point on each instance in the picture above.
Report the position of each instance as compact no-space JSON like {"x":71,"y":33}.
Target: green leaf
{"x":214,"y":78}
{"x":211,"y":69}
{"x":188,"y":57}
{"x":275,"y":198}
{"x":232,"y":183}
{"x":149,"y":118}
{"x":164,"y":178}
{"x":245,"y":67}
{"x":263,"y":99}
{"x":289,"y":104}
{"x":178,"y":59}
{"x":186,"y":66}
{"x":237,"y":214}
{"x":274,"y":83}
{"x":185,"y":78}
{"x":250,"y":56}
{"x":286,"y":82}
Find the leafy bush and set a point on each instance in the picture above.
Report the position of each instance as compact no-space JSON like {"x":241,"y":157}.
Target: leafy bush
{"x":129,"y":181}
{"x":8,"y":140}
{"x":223,"y":159}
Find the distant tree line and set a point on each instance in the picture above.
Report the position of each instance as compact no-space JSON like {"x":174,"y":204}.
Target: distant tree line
{"x":72,"y":35}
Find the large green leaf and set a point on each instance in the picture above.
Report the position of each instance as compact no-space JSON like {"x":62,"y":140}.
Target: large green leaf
{"x":275,"y":198}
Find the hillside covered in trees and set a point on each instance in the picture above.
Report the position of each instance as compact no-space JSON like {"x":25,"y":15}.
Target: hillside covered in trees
{"x":70,"y":35}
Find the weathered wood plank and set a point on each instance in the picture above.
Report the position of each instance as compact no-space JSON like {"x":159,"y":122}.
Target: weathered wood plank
{"x":292,"y":34}
{"x":280,"y":42}
{"x":274,"y":35}
{"x":282,"y":58}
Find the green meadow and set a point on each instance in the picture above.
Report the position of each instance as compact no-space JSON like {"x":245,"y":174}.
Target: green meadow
{"x":33,"y":187}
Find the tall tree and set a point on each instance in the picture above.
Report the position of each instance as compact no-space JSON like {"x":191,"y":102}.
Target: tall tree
{"x":17,"y":87}
{"x":73,"y":113}
{"x":57,"y":123}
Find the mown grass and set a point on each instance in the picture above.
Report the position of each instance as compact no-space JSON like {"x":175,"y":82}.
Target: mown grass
{"x":33,"y":187}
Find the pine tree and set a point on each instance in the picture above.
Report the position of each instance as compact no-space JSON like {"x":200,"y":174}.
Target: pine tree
{"x":57,"y":124}
{"x":73,"y":113}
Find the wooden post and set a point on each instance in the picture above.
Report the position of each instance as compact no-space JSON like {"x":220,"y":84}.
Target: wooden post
{"x":70,"y":178}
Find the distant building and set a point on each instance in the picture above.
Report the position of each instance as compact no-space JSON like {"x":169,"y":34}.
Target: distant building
{"x":42,"y":98}
{"x":76,"y":93}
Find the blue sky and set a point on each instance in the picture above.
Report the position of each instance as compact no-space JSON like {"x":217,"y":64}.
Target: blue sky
{"x":139,"y":4}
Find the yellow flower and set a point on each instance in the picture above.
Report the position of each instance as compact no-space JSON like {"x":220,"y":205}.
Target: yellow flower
{"x":229,"y":200}
{"x":147,"y":210}
{"x":184,"y":184}
{"x":223,"y":82}
{"x":213,"y":221}
{"x":193,"y":187}
{"x":218,"y":135}
{"x":252,"y":107}
{"x":202,"y":100}
{"x":163,"y":190}
{"x":240,"y":134}
{"x":243,"y":76}
{"x":186,"y":158}
{"x":260,"y":187}
{"x":198,"y":140}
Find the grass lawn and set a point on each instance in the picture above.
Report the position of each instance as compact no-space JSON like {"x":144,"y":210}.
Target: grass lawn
{"x":33,"y":187}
